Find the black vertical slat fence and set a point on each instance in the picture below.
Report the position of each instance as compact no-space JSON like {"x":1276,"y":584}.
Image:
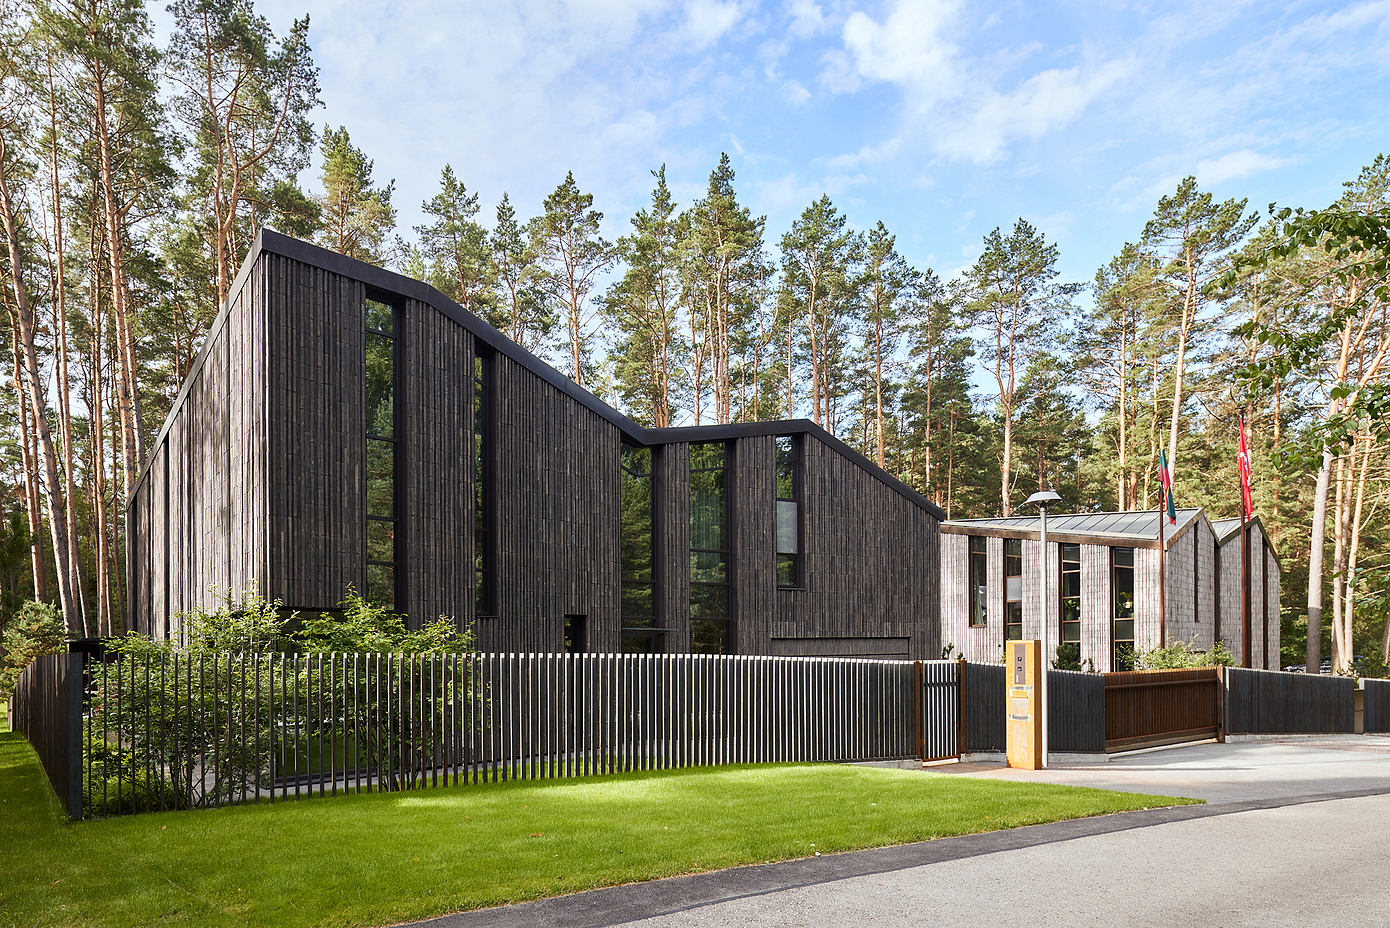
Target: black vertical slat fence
{"x":1075,"y":711}
{"x":170,"y":731}
{"x":983,"y":699}
{"x":1377,"y":706}
{"x":1273,"y":702}
{"x":46,"y":708}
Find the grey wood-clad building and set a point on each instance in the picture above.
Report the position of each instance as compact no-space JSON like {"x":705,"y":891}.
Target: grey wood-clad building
{"x":1109,"y":593}
{"x":347,"y":426}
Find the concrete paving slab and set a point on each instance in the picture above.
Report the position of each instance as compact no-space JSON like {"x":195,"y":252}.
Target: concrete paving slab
{"x":1224,"y":772}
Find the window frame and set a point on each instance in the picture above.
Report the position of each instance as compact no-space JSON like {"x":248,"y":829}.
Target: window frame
{"x":484,"y":442}
{"x":1122,"y":658}
{"x":394,"y":441}
{"x":1062,"y":597}
{"x":1012,"y":627}
{"x":978,"y":604}
{"x":652,"y":637}
{"x":797,"y":557}
{"x":725,"y":623}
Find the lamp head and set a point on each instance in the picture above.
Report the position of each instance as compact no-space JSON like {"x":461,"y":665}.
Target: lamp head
{"x":1043,"y":499}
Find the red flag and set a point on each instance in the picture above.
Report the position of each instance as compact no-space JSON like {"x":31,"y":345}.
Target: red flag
{"x":1243,"y":462}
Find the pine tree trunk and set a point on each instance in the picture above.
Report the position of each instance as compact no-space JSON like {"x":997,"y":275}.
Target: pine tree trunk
{"x":33,"y":391}
{"x":32,"y":505}
{"x":1313,"y":651}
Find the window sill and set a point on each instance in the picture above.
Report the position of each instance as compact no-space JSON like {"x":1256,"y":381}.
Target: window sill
{"x":791,"y":589}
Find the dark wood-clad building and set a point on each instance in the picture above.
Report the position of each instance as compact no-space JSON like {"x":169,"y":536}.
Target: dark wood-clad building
{"x":1109,"y":593}
{"x":347,"y":426}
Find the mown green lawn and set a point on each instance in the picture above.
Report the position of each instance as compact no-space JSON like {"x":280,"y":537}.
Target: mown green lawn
{"x":381,"y":859}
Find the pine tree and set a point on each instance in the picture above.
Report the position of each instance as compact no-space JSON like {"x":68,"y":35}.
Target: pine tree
{"x":457,"y":247}
{"x":1013,"y":299}
{"x":571,"y":254}
{"x":358,"y":218}
{"x":521,"y":311}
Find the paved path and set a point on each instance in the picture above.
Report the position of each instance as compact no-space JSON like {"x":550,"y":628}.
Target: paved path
{"x":1294,"y":834}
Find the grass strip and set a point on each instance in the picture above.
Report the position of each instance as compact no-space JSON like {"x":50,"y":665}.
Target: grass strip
{"x":386,"y":858}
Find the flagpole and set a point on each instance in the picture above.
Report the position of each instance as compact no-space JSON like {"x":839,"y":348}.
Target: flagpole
{"x":1162,"y":578}
{"x":1245,"y":573}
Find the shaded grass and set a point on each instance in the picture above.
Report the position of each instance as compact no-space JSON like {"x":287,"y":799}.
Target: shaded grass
{"x":385,"y":858}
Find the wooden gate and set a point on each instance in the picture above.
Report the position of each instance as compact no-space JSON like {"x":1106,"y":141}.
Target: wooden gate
{"x":1144,"y":708}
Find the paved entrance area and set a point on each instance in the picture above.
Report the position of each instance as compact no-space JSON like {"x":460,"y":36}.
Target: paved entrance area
{"x":1236,"y":772}
{"x":1293,"y":834}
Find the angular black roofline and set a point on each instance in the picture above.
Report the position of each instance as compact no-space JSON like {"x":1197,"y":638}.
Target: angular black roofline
{"x":268,"y":240}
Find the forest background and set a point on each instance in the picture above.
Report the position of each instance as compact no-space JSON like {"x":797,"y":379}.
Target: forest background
{"x":134,"y":172}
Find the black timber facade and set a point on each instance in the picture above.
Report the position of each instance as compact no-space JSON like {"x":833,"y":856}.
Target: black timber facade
{"x":259,"y":477}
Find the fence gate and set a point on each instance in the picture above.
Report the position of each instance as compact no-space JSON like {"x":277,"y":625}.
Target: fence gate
{"x":938,"y":709}
{"x":1144,"y":708}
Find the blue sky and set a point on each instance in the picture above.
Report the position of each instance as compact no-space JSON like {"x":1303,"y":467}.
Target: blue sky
{"x":942,"y":119}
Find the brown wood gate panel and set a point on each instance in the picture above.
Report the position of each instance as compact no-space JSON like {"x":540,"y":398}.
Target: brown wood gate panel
{"x":1152,"y":707}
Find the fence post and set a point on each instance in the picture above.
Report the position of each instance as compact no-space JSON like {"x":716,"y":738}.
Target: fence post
{"x":917,"y":720}
{"x":961,"y":668}
{"x":1220,"y":704}
{"x":72,"y":680}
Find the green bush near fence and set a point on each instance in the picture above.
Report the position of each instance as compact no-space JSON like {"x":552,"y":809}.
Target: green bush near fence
{"x":179,"y":728}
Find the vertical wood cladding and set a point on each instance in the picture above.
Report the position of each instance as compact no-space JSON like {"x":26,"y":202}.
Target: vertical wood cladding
{"x":1097,"y":608}
{"x":1264,"y":594}
{"x":316,"y":428}
{"x":869,"y":562}
{"x":436,"y":524}
{"x":558,"y":517}
{"x":671,"y":539}
{"x":198,"y":512}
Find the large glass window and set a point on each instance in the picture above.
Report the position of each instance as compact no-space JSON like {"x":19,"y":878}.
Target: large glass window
{"x":640,"y":631}
{"x":484,"y":576}
{"x":979,"y":572}
{"x":383,"y":523}
{"x":788,"y":511}
{"x":1071,"y":593}
{"x":1013,"y":589}
{"x":1122,"y":585}
{"x":709,"y":548}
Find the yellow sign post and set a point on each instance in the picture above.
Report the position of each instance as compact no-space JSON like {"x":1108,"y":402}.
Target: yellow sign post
{"x":1021,"y":679}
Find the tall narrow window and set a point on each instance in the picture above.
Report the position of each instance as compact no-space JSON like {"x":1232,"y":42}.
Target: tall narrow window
{"x":640,"y":634}
{"x":788,"y":511}
{"x":1013,"y":589}
{"x":709,"y":548}
{"x":383,"y":542}
{"x":484,"y":578}
{"x":1071,"y":597}
{"x":1122,"y":585}
{"x":979,"y":571}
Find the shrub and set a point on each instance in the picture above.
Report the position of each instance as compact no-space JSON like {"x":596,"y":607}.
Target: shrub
{"x":1184,"y":654}
{"x":35,"y":630}
{"x":1069,"y":658}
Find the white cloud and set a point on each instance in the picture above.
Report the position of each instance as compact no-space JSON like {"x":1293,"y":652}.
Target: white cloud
{"x":807,"y":19}
{"x":795,"y":92}
{"x":706,"y":21}
{"x":1235,"y":165}
{"x":963,"y":107}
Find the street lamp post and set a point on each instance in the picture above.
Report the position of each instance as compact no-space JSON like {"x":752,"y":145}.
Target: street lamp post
{"x":1041,"y":499}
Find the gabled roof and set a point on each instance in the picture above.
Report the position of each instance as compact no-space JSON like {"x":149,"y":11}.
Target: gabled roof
{"x":1134,"y":527}
{"x":270,"y":241}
